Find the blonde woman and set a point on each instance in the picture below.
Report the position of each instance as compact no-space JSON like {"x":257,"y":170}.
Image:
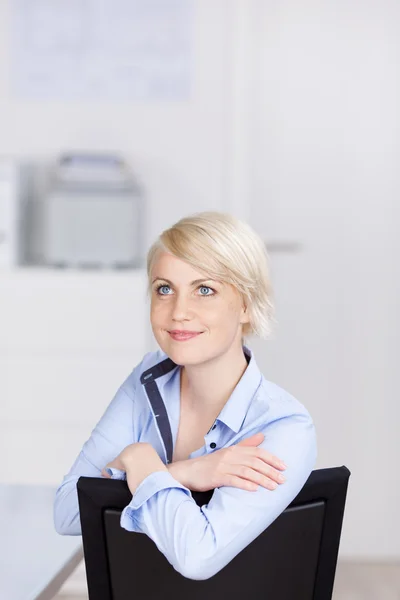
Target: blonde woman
{"x":198,"y":414}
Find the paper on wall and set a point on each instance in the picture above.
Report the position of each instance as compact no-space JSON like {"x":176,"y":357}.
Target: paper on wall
{"x":102,"y":49}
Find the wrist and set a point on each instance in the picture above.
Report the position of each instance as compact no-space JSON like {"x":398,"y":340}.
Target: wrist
{"x":180,"y":471}
{"x":139,"y":467}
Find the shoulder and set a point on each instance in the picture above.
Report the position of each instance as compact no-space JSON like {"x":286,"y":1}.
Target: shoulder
{"x":278,"y":402}
{"x":280,"y":415}
{"x":288,"y":428}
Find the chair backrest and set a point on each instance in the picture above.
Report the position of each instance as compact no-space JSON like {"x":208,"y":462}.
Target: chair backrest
{"x":293,"y":559}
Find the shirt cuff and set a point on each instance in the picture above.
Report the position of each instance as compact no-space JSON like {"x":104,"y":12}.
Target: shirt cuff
{"x":153,"y":483}
{"x":116,"y":473}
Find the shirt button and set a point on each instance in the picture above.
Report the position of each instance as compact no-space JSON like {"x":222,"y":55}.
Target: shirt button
{"x":213,"y":445}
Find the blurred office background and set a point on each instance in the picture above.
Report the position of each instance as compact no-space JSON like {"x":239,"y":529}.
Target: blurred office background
{"x":282,"y":113}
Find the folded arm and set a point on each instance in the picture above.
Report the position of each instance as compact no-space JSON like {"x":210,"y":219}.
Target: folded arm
{"x":200,"y":541}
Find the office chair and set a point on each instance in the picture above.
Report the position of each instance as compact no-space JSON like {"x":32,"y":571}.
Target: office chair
{"x":293,"y":559}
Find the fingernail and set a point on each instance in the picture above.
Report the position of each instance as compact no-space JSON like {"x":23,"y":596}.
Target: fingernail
{"x":108,"y":471}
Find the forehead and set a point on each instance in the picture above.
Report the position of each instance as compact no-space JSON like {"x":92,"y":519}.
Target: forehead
{"x":175,"y":269}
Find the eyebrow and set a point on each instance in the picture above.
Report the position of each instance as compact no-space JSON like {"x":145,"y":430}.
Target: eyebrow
{"x":191,"y":283}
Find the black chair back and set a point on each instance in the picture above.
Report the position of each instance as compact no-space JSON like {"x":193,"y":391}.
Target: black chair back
{"x":293,"y":559}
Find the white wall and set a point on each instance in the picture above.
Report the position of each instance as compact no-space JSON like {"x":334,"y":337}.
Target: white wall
{"x":295,"y":108}
{"x":325,"y":137}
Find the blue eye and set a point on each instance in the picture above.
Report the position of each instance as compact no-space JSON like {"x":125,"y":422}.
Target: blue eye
{"x":159,"y":288}
{"x":204,"y":287}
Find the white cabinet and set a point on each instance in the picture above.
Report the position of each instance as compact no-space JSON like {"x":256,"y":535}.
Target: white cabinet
{"x":68,"y":339}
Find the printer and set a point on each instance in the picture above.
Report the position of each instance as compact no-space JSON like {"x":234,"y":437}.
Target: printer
{"x":92,"y":214}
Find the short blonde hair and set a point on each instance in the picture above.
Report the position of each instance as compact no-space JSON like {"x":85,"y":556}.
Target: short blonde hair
{"x":228,"y":249}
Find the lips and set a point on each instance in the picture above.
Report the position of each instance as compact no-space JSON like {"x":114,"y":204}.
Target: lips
{"x":184,"y":336}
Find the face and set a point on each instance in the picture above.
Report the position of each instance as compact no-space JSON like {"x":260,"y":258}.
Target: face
{"x":183,"y":298}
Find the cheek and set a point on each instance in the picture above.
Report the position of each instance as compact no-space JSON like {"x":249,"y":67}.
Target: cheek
{"x":224,"y":312}
{"x":231,"y":312}
{"x":159,"y":313}
{"x":155,"y":311}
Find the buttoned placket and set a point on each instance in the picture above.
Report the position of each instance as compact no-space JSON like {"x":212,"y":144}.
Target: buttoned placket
{"x":212,"y":444}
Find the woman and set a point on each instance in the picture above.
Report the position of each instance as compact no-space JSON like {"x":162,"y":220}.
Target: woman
{"x":197,"y":414}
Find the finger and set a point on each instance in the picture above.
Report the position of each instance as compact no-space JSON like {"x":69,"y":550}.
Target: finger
{"x":265,"y":456}
{"x":254,"y":466}
{"x":269,"y":458}
{"x":253,"y":440}
{"x":243,"y":484}
{"x":106,"y":473}
{"x":256,"y":477}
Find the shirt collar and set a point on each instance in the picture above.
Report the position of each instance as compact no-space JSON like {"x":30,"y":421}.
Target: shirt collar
{"x":236,"y":407}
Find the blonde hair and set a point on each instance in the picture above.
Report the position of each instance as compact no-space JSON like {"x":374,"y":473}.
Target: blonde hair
{"x":228,"y":249}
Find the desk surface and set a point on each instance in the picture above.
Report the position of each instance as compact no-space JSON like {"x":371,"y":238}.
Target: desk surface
{"x":34,"y":559}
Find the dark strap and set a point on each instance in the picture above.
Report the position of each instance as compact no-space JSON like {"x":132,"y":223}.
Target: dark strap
{"x":160,"y":412}
{"x":148,"y":379}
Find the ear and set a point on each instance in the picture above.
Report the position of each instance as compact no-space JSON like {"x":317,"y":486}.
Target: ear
{"x":245,"y":317}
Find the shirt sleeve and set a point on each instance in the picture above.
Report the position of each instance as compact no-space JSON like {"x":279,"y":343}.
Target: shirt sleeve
{"x":199,"y":541}
{"x":113,"y":432}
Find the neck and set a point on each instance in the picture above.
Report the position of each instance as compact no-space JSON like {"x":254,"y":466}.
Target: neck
{"x":208,"y":386}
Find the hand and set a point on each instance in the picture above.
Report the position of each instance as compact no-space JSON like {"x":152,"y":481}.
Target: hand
{"x":138,"y":460}
{"x":120,"y":462}
{"x":242,"y":465}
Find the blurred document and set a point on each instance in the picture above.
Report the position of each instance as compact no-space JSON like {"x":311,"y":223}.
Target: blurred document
{"x":102,"y":49}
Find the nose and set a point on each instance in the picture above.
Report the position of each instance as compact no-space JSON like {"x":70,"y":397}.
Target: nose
{"x":180,"y":308}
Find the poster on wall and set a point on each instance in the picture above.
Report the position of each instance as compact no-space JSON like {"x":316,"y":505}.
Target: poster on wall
{"x":137,"y":50}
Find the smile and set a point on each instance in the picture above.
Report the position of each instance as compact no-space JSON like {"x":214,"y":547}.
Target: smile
{"x":183,"y":337}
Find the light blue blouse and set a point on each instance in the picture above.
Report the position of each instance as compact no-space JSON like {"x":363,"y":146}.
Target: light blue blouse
{"x":197,"y":541}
